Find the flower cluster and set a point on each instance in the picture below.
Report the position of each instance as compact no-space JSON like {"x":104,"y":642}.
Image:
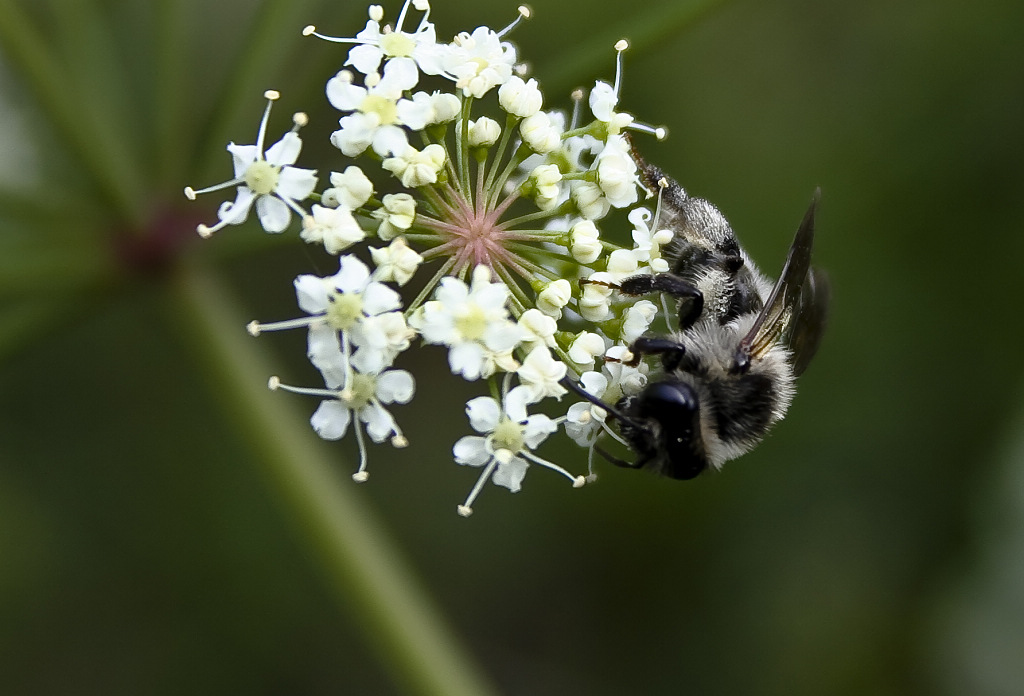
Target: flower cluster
{"x":452,"y":160}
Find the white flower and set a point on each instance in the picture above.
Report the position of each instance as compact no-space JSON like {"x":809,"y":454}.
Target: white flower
{"x":584,"y":242}
{"x":479,"y":61}
{"x":584,"y":420}
{"x":505,"y":448}
{"x":483,"y":132}
{"x":351,"y":188}
{"x":540,"y":373}
{"x":590,"y":199}
{"x":335,"y":228}
{"x":616,"y":173}
{"x":345,"y":310}
{"x":396,"y":262}
{"x":472,"y":321}
{"x":265,"y":179}
{"x":395,"y":216}
{"x":541,"y":132}
{"x":365,"y":396}
{"x":378,"y":114}
{"x":585,"y":349}
{"x":636,"y":320}
{"x":595,"y":302}
{"x":520,"y":98}
{"x":446,"y":107}
{"x":546,"y":179}
{"x":404,"y":51}
{"x":417,"y":168}
{"x":538,"y":329}
{"x":648,"y":243}
{"x":554,"y":296}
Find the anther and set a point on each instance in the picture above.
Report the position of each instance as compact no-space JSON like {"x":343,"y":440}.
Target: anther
{"x":525,"y":11}
{"x":274,"y":383}
{"x":399,"y":441}
{"x":360,"y":476}
{"x":621,"y":45}
{"x":190,"y":193}
{"x":272,"y":95}
{"x":204,"y":231}
{"x":579,"y":482}
{"x":300,"y":119}
{"x":309,"y":30}
{"x":254,"y":328}
{"x":464,"y":510}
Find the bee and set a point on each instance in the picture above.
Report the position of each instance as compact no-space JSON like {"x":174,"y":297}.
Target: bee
{"x":729,"y":369}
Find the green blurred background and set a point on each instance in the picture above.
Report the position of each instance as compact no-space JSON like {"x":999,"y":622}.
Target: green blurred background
{"x":873,"y":544}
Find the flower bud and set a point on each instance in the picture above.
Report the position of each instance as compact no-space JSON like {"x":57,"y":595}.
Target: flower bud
{"x":540,"y":133}
{"x":584,"y":244}
{"x":483,"y":132}
{"x":351,"y":188}
{"x":585,"y":349}
{"x":519,"y":98}
{"x":552,"y":298}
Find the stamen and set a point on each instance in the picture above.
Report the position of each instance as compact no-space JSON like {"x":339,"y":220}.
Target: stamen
{"x":361,"y":475}
{"x":524,"y":13}
{"x":299,"y":119}
{"x":255,"y":328}
{"x":274,"y":383}
{"x":191,"y":193}
{"x":271,"y":96}
{"x":620,"y":46}
{"x":577,"y":481}
{"x":577,"y":99}
{"x":466,"y":509}
{"x":310,"y":30}
{"x":659,"y":132}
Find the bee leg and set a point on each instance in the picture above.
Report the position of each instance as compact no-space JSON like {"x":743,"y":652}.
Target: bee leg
{"x":672,"y":352}
{"x":691,"y":300}
{"x":571,"y":384}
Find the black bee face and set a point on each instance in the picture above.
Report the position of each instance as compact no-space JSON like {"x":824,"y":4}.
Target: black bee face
{"x":664,"y":429}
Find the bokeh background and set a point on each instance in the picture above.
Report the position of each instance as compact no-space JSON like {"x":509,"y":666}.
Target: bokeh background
{"x":873,"y":544}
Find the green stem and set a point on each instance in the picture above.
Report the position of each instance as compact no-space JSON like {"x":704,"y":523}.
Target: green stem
{"x":361,"y":565}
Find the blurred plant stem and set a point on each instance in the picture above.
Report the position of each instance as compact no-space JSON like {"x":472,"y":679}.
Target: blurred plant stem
{"x":362,"y":566}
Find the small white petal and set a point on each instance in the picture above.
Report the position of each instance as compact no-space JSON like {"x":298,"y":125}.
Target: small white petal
{"x":331,"y":419}
{"x":484,"y":414}
{"x":274,"y":215}
{"x":510,"y":474}
{"x":471,"y":450}
{"x":395,"y":386}
{"x":285,"y":151}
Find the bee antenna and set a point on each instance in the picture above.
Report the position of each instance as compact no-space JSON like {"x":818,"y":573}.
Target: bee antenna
{"x":614,"y":412}
{"x":615,"y":460}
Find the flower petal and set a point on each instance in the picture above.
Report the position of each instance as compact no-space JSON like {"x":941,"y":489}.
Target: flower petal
{"x":331,"y":419}
{"x":273,"y":213}
{"x":471,"y":450}
{"x":296,"y":183}
{"x":510,"y":474}
{"x":379,"y":298}
{"x":380,"y":424}
{"x":395,"y":386}
{"x":285,"y":151}
{"x":484,"y":413}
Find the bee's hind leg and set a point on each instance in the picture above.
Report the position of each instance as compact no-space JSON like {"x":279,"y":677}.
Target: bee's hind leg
{"x":671,"y":351}
{"x":691,"y":300}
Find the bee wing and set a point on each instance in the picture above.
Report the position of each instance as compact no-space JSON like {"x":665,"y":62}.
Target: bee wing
{"x":794,"y":313}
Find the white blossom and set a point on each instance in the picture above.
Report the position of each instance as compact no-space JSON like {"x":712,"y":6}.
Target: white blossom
{"x":472,"y":321}
{"x":636,"y":320}
{"x":584,"y":420}
{"x":590,"y":199}
{"x":538,"y":329}
{"x":648,"y":243}
{"x":415,"y":167}
{"x":554,"y":297}
{"x":335,"y":228}
{"x":479,"y":61}
{"x":267,"y":180}
{"x":376,"y":117}
{"x":396,"y":215}
{"x":585,"y":348}
{"x":540,"y":373}
{"x":351,"y":188}
{"x":616,"y":173}
{"x":505,"y":447}
{"x":395,"y":262}
{"x":584,"y":242}
{"x":483,"y":132}
{"x":541,"y":132}
{"x":519,"y":98}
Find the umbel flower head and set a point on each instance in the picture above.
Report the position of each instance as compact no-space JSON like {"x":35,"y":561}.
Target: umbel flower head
{"x":465,"y":183}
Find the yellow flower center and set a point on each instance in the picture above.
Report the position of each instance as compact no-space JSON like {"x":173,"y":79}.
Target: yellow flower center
{"x":472,"y":323}
{"x":508,"y":435}
{"x":261,"y":176}
{"x":385,"y":109}
{"x":397,"y":45}
{"x":362,"y":389}
{"x":344,"y":310}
